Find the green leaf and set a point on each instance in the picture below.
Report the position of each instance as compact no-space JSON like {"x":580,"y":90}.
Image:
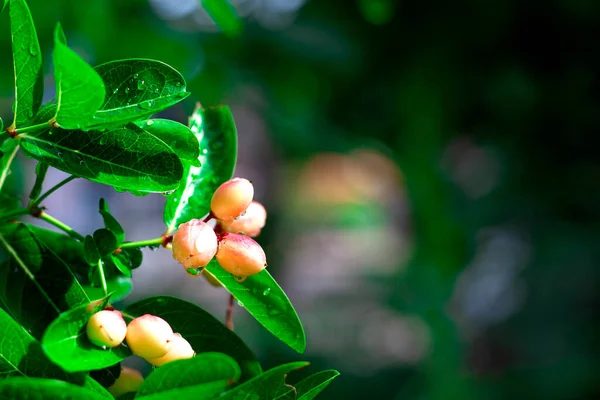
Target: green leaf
{"x":200,"y":329}
{"x":136,"y":89}
{"x":106,"y":241}
{"x":7,"y":204}
{"x":263,"y":298}
{"x":202,"y":391}
{"x":43,"y":389}
{"x":127,"y":157}
{"x":111,"y":222}
{"x":9,"y":149}
{"x":4,"y":3}
{"x":215,"y":129}
{"x":309,"y":388}
{"x":2,"y":122}
{"x":91,"y":384}
{"x":224,"y":15}
{"x":66,"y":344}
{"x":31,"y":267}
{"x":268,"y":385}
{"x":115,"y":260}
{"x":27,"y":58}
{"x":118,"y":287}
{"x":40,"y":174}
{"x":90,"y":251}
{"x":177,"y":136}
{"x":79,"y":89}
{"x":132,"y":256}
{"x":204,"y":368}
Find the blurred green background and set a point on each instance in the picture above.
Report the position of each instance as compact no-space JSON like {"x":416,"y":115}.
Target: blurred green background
{"x":430,"y":170}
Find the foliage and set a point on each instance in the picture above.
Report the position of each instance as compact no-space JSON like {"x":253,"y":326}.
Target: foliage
{"x":99,"y":128}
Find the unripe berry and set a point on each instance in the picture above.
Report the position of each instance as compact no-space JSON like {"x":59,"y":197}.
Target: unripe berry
{"x":194,"y":244}
{"x":180,"y":349}
{"x":149,"y":336}
{"x":106,"y":328}
{"x":240,"y":255}
{"x":232,"y":198}
{"x":249,"y":223}
{"x":129,"y":381}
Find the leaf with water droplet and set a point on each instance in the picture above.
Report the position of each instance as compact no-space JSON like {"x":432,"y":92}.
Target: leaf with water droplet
{"x":127,"y":157}
{"x":273,"y":309}
{"x":192,"y":198}
{"x":136,"y":102}
{"x":79,"y":89}
{"x":29,"y":76}
{"x":177,"y":136}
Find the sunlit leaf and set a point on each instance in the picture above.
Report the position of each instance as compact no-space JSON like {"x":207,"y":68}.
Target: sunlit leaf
{"x":215,"y":129}
{"x":177,"y":136}
{"x":27,"y":58}
{"x":263,"y":298}
{"x":267,"y":385}
{"x":136,"y":89}
{"x":203,"y":368}
{"x":66,"y":344}
{"x":31,"y":267}
{"x":126,"y":157}
{"x":200,"y":329}
{"x":118,"y":287}
{"x":43,"y":389}
{"x":79,"y":88}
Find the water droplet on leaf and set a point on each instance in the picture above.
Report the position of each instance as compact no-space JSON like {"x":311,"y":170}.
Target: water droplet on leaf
{"x":141,"y":85}
{"x":267,"y":291}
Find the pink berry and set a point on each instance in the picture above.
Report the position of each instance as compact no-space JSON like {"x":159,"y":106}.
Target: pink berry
{"x":106,"y":328}
{"x":128,"y":381}
{"x":232,"y":198}
{"x":249,"y":223}
{"x":240,"y":255}
{"x":194,"y":244}
{"x":149,"y":336}
{"x":180,"y":349}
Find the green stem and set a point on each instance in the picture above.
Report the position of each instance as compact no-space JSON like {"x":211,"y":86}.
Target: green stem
{"x":143,"y":243}
{"x":32,"y":128}
{"x":60,"y":225}
{"x":52,"y":190}
{"x":14,"y":214}
{"x":102,"y":277}
{"x":4,"y":173}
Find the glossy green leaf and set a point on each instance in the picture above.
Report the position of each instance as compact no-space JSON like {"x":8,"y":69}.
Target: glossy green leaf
{"x":66,"y":344}
{"x":92,"y":385}
{"x":177,"y":136}
{"x":7,"y":204}
{"x":132,"y":257}
{"x":203,"y":331}
{"x":4,"y":3}
{"x":136,"y":89}
{"x":309,"y":388}
{"x":79,"y":89}
{"x":224,"y":15}
{"x":30,"y":266}
{"x":117,"y":263}
{"x":263,"y":298}
{"x":203,"y":368}
{"x":202,"y":391}
{"x":90,"y":251}
{"x":268,"y":385}
{"x":106,"y":241}
{"x":67,"y":248}
{"x":107,"y":376}
{"x":27,"y":59}
{"x":9,"y":149}
{"x":127,"y":157}
{"x":111,"y":222}
{"x":118,"y":287}
{"x":40,"y":174}
{"x":215,"y":129}
{"x":44,"y":389}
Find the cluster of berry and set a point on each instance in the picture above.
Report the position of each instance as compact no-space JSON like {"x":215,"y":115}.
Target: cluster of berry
{"x":239,"y":218}
{"x":148,"y":336}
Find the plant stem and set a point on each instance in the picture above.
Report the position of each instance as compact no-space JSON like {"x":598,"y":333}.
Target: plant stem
{"x":229,"y":313}
{"x":52,"y":190}
{"x":32,"y":128}
{"x":144,"y":243}
{"x":102,"y":277}
{"x":60,"y":225}
{"x":4,"y":173}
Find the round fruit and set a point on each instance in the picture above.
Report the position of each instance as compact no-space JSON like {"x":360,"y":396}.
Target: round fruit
{"x":240,"y":255}
{"x":106,"y":328}
{"x":232,"y":198}
{"x":249,"y":223}
{"x":129,"y":381}
{"x":180,"y":349}
{"x":149,"y":336}
{"x":194,"y":244}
